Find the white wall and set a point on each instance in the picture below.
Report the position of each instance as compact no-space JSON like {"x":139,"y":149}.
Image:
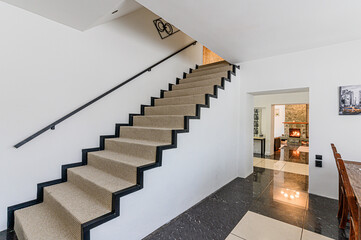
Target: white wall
{"x":323,"y":70}
{"x":205,"y":160}
{"x":266,"y":101}
{"x":279,"y":119}
{"x":48,"y":69}
{"x":257,"y":29}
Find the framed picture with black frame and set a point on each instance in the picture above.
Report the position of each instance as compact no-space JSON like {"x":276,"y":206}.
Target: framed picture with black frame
{"x":350,"y":100}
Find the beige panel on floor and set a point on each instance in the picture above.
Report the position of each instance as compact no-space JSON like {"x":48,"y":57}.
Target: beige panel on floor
{"x":297,"y":168}
{"x":257,"y":160}
{"x":233,"y":237}
{"x":307,"y":235}
{"x":271,"y":164}
{"x":254,"y":226}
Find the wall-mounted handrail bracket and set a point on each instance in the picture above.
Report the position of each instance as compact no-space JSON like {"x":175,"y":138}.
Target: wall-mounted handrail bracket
{"x":52,"y":125}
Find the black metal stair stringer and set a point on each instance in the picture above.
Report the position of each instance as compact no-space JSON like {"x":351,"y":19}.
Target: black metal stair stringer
{"x":115,"y":212}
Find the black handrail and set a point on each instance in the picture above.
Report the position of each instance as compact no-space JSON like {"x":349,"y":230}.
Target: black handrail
{"x":52,"y":125}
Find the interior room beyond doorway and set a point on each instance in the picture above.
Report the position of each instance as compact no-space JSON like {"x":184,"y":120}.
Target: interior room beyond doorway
{"x":281,"y":132}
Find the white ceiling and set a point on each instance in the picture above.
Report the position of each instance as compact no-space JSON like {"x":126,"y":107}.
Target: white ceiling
{"x":78,"y":14}
{"x":243,"y":30}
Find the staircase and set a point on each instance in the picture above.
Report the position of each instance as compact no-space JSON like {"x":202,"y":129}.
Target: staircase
{"x":88,"y":193}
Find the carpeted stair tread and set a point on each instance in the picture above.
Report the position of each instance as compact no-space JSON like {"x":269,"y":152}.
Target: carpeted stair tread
{"x":159,"y":134}
{"x":150,"y":128}
{"x":201,"y":68}
{"x":189,"y":91}
{"x":123,"y":158}
{"x":208,"y":82}
{"x":134,"y":147}
{"x":189,"y":78}
{"x":40,"y":222}
{"x":169,"y":121}
{"x":71,"y":199}
{"x":136,"y":141}
{"x":195,"y":99}
{"x":198,"y":72}
{"x":182,"y":109}
{"x":118,"y":164}
{"x":213,"y":64}
{"x":97,"y":183}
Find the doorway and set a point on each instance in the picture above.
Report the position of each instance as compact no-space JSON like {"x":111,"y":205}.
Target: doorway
{"x":281,"y":132}
{"x":281,"y":123}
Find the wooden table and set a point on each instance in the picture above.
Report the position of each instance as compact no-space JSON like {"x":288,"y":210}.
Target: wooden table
{"x":263,"y":144}
{"x":354,"y":174}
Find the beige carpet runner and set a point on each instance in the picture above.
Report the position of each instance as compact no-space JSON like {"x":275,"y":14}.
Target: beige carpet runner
{"x":87,"y":194}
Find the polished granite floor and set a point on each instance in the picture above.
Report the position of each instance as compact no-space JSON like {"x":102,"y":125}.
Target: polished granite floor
{"x":261,"y":193}
{"x":6,"y":235}
{"x":289,"y":153}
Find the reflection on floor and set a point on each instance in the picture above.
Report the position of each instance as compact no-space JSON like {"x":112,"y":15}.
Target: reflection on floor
{"x":293,"y":159}
{"x":295,"y":154}
{"x":266,"y":192}
{"x":298,"y":168}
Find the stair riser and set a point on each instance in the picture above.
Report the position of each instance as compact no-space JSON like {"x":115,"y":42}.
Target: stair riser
{"x":202,"y":78}
{"x":209,"y":71}
{"x":171,"y":110}
{"x":73,"y":224}
{"x":200,"y":99}
{"x":18,"y":229}
{"x":118,"y":169}
{"x":99,"y":193}
{"x":166,"y":122}
{"x":136,"y":150}
{"x":189,"y":91}
{"x":147,"y":134}
{"x":211,"y":82}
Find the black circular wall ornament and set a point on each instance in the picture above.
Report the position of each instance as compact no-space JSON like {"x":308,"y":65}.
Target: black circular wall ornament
{"x":160,"y":26}
{"x":168,"y":28}
{"x":164,"y":28}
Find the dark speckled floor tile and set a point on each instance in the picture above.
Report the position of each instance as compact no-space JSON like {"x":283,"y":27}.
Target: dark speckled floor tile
{"x":7,"y":235}
{"x":321,"y":218}
{"x":212,"y":218}
{"x":261,"y":178}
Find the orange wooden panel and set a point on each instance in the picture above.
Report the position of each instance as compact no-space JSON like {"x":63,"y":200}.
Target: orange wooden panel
{"x":210,"y":57}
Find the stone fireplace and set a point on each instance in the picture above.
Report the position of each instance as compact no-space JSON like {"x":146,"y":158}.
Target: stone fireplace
{"x":296,"y":132}
{"x":296,"y":124}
